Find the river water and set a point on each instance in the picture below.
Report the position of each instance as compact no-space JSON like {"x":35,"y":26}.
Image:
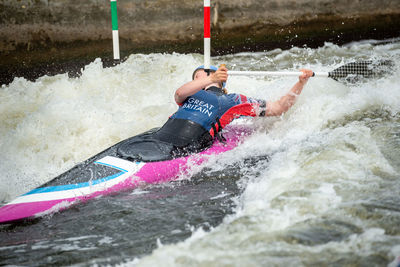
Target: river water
{"x":319,"y":185}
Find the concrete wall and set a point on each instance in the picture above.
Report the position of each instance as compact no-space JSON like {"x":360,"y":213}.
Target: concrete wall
{"x":40,"y":31}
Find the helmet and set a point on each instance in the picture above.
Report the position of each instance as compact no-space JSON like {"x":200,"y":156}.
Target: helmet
{"x":212,"y":68}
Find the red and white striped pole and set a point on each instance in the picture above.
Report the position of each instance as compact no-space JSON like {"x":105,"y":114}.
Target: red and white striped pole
{"x":207,"y":35}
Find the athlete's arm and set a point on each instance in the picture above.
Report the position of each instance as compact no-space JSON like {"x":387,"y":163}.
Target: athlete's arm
{"x":200,"y":81}
{"x":191,"y":88}
{"x":279,"y":107}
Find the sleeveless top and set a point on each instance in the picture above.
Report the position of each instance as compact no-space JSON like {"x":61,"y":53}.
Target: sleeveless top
{"x":209,"y":111}
{"x":193,"y":127}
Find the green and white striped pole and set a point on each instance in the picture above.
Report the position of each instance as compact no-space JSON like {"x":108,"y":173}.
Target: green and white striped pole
{"x":114,"y":22}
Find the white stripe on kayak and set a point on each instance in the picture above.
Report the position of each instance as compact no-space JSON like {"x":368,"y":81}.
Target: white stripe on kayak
{"x":120,"y":163}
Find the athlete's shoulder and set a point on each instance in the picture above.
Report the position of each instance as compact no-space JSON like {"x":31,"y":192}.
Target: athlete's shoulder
{"x":242,"y":99}
{"x":238,"y":98}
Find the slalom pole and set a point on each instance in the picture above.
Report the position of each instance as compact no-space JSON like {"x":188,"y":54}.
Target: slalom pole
{"x":114,"y":22}
{"x":207,"y":36}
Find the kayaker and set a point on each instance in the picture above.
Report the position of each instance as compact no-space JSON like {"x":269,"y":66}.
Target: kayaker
{"x":205,"y":108}
{"x":205,"y":101}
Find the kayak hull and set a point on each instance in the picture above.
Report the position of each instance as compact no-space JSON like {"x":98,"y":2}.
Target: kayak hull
{"x":64,"y":191}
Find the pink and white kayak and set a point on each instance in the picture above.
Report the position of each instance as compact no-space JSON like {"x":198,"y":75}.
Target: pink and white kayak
{"x":106,"y":173}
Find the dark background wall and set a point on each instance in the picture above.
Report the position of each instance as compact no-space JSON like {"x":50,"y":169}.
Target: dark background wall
{"x":54,"y":34}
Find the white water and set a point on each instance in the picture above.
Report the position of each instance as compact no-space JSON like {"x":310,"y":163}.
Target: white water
{"x":333,"y":154}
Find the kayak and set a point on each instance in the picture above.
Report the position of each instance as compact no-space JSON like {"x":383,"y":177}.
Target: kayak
{"x":106,"y":173}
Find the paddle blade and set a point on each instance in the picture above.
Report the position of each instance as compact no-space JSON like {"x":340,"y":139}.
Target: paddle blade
{"x":355,"y":71}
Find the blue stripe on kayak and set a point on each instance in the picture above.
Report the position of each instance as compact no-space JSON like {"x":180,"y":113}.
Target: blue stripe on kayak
{"x":71,"y":186}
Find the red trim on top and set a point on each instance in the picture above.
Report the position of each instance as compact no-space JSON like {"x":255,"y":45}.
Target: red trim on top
{"x":212,"y":132}
{"x":245,"y":109}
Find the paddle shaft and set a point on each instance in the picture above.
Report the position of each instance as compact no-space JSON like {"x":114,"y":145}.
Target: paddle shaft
{"x":274,"y":73}
{"x":366,"y":69}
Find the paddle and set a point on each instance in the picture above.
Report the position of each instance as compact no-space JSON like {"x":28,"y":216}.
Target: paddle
{"x":351,"y":71}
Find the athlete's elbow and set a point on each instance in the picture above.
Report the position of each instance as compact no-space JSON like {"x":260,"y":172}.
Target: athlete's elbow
{"x":276,"y":109}
{"x":178,"y":93}
{"x":284,"y":105}
{"x":283,"y":109}
{"x":280,"y":111}
{"x":179,"y":97}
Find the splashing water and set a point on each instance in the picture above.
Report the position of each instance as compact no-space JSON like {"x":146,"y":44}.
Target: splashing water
{"x":328,"y":193}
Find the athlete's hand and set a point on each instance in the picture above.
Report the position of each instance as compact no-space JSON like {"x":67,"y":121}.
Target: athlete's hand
{"x":303,"y":78}
{"x":221,"y":75}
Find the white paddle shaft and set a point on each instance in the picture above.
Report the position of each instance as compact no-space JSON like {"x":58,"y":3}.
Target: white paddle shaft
{"x":273,"y":73}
